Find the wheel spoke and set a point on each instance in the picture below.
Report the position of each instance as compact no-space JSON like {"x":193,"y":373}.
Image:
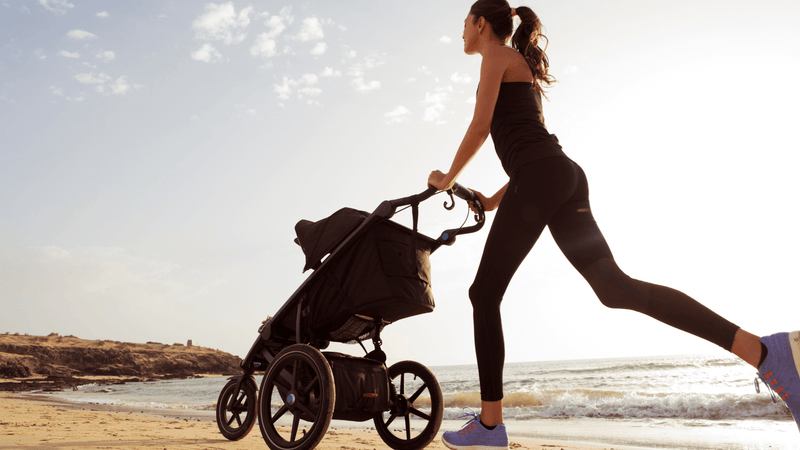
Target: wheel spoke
{"x":280,"y":413}
{"x":408,"y":427}
{"x":306,"y":410}
{"x":391,"y":419}
{"x":402,"y":384}
{"x":283,"y":381}
{"x":420,"y":414}
{"x":295,"y":426}
{"x":233,"y":417}
{"x":416,"y":394}
{"x":310,"y":384}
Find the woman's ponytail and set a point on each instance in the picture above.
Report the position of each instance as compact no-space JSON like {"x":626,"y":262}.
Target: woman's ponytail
{"x":526,"y":41}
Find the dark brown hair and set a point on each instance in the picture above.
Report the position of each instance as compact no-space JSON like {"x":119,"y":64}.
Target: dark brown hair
{"x":525,"y":40}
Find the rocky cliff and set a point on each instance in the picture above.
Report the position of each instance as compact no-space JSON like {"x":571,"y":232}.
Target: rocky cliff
{"x":32,"y":360}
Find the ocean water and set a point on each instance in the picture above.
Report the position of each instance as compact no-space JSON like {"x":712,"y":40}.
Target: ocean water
{"x":676,"y":402}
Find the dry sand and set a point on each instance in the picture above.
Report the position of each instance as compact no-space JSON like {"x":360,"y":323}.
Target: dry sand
{"x":26,"y":423}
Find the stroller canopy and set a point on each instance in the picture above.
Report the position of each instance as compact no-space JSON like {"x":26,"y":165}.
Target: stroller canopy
{"x":384,"y":274}
{"x":318,"y":239}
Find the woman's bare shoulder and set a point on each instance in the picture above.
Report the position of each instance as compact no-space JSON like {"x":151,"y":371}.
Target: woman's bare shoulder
{"x":515,"y":67}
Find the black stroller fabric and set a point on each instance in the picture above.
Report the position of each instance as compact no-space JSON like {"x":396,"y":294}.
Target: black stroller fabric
{"x":384,"y":274}
{"x":362,"y":387}
{"x":317,"y":239}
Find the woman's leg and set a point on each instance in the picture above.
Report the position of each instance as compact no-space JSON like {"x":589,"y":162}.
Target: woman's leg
{"x":576,"y":233}
{"x":534,"y":194}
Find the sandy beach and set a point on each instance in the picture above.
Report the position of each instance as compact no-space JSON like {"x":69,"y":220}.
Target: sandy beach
{"x":29,"y":423}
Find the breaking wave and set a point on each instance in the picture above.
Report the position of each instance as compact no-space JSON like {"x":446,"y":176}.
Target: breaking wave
{"x":617,"y":405}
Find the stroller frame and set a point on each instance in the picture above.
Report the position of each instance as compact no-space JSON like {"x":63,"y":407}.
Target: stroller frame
{"x":297,"y":372}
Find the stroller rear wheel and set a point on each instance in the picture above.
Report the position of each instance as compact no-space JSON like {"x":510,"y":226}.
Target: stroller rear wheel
{"x":416,"y":395}
{"x":236,"y":419}
{"x":297,"y":399}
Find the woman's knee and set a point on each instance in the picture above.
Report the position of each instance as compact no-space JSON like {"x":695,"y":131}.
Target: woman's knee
{"x":613,"y":287}
{"x":482,"y":301}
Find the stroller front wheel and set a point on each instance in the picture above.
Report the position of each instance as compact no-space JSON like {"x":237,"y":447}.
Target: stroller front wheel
{"x":416,"y":395}
{"x":235,"y":420}
{"x":297,"y":399}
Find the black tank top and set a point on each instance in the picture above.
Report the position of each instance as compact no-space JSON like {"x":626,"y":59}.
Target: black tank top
{"x":518,"y":130}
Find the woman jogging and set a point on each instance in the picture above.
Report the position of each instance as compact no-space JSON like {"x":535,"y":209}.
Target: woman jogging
{"x":546,"y":188}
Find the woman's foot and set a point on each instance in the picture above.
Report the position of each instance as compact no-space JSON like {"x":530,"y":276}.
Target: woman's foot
{"x":780,"y":370}
{"x":475,"y":436}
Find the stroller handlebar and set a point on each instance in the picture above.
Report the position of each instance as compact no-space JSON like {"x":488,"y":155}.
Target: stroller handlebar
{"x":448,"y":237}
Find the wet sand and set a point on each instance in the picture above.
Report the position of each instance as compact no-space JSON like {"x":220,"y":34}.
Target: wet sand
{"x":29,"y":423}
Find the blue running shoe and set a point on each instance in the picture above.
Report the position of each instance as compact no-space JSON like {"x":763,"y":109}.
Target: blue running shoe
{"x":474,"y":436}
{"x":780,"y":370}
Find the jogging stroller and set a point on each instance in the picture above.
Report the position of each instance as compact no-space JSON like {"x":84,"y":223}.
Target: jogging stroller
{"x":376,"y":272}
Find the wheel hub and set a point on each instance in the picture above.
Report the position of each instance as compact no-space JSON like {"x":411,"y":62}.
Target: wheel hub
{"x":401,"y":406}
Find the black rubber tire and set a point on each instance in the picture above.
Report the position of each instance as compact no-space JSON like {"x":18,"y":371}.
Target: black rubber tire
{"x":229,"y":420}
{"x":411,"y":376}
{"x":301,"y":381}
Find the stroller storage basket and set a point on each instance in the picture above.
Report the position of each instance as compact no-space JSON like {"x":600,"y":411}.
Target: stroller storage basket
{"x":362,"y":387}
{"x":384,"y":276}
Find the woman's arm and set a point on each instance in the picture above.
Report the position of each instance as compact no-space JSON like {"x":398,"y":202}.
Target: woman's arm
{"x":490,"y":203}
{"x":492,"y":70}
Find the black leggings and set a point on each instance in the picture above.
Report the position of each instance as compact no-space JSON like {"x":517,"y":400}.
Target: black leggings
{"x":554,"y":192}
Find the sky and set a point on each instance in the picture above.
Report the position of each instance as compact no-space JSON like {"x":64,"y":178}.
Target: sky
{"x":156,"y":155}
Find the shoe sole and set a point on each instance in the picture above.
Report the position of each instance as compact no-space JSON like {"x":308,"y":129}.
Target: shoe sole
{"x":794,"y":343}
{"x":472,"y":447}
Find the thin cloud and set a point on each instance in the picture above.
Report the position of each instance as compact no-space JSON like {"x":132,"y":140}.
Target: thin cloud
{"x":102,"y":15}
{"x":80,"y":35}
{"x":121,"y":85}
{"x":362,"y":85}
{"x":58,"y":7}
{"x":398,"y":115}
{"x":445,"y":40}
{"x":58,"y":92}
{"x":436,"y":105}
{"x":310,"y":91}
{"x":358,"y":72}
{"x":319,"y":49}
{"x":264,"y":46}
{"x":456,"y":78}
{"x":278,"y":23}
{"x":67,"y":54}
{"x":207,"y":54}
{"x":304,"y":86}
{"x":107,"y":55}
{"x":91,"y":78}
{"x":222,"y":23}
{"x":328,"y":72}
{"x":311,"y":30}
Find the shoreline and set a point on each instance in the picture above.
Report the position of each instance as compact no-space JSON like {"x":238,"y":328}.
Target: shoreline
{"x":32,"y":421}
{"x":54,"y":383}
